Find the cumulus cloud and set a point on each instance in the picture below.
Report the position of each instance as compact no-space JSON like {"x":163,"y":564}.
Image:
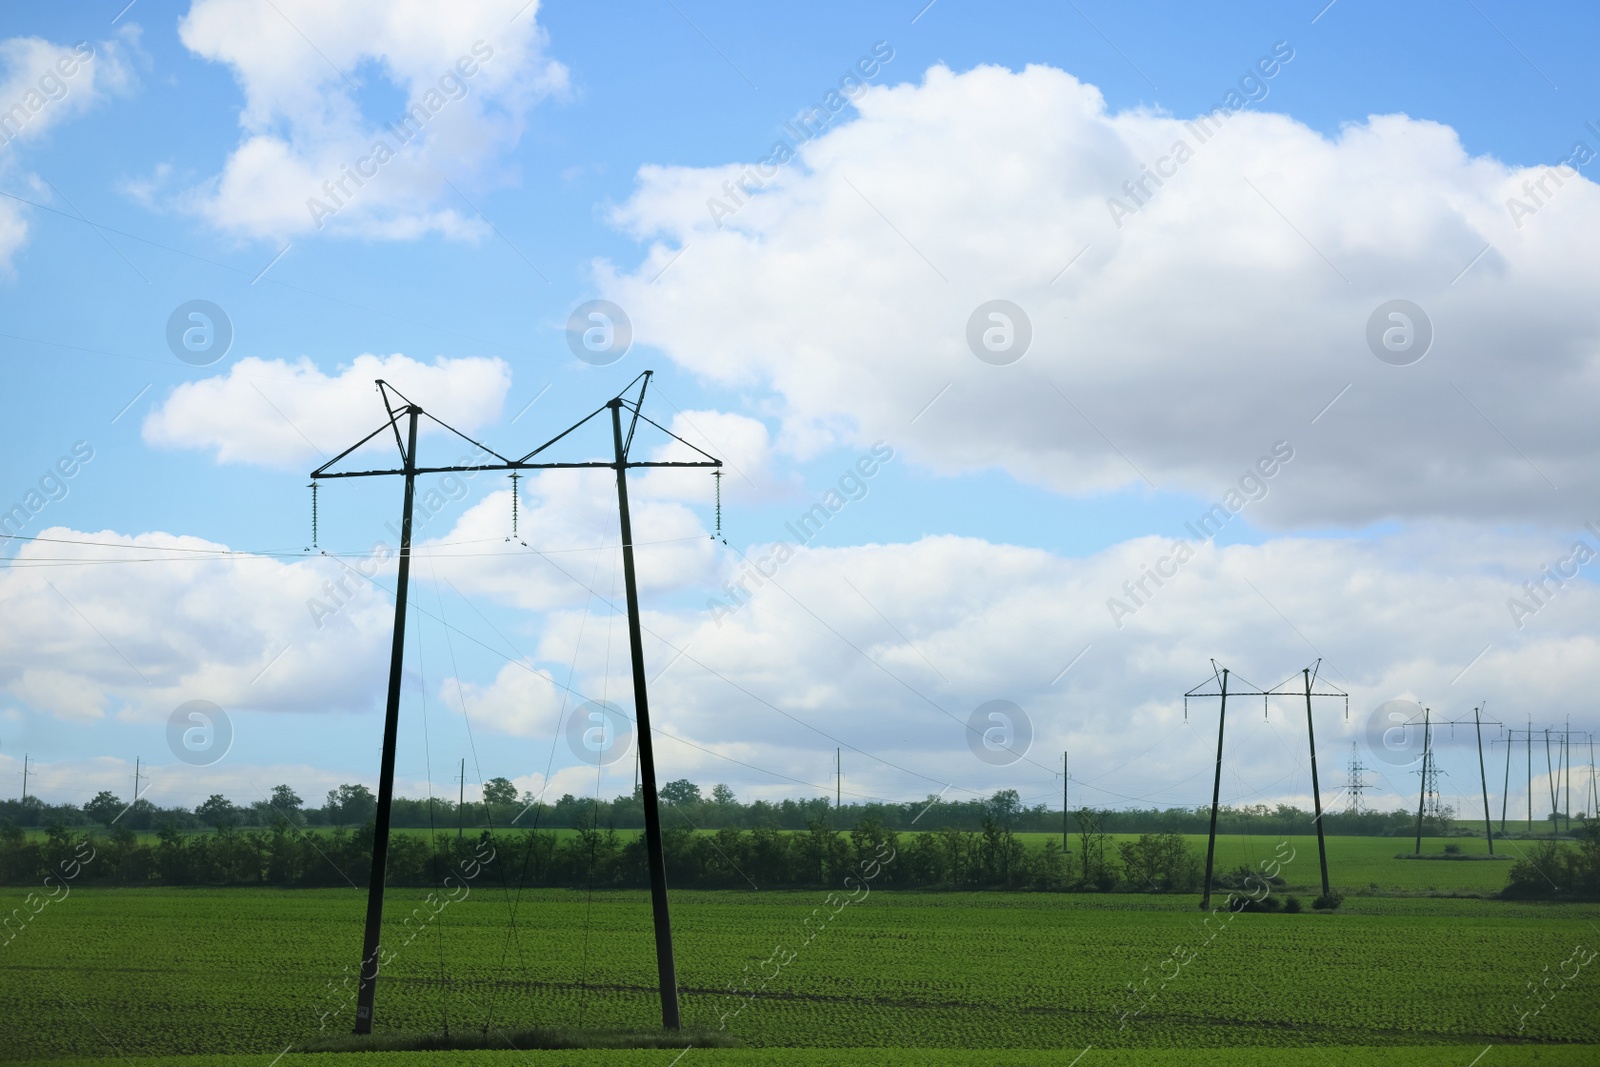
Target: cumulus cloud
{"x":104,"y":623}
{"x":281,"y":414}
{"x":469,"y":74}
{"x":44,"y":84}
{"x":1179,"y":328}
{"x":855,"y":646}
{"x":566,"y":550}
{"x":850,"y":647}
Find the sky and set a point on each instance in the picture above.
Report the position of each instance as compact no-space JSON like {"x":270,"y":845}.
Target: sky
{"x":1060,"y":356}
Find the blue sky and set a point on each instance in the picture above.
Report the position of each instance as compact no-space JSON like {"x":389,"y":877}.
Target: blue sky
{"x":587,"y":167}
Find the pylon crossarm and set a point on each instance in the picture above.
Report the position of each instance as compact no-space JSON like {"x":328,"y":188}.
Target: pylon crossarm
{"x":394,"y":415}
{"x":469,"y":440}
{"x":675,"y":437}
{"x":320,"y":472}
{"x":562,"y":434}
{"x":638,"y":410}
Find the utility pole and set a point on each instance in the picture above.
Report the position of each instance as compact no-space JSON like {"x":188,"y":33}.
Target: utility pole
{"x":24,"y":778}
{"x":1488,"y":826}
{"x":368,"y":982}
{"x":1316,"y":790}
{"x":1566,"y":774}
{"x":1422,"y":791}
{"x":461,"y":801}
{"x":1505,"y":787}
{"x":838,"y":778}
{"x":1594,"y":786}
{"x":410,"y":469}
{"x":665,"y":965}
{"x":1530,"y":776}
{"x":1216,"y":794}
{"x":1064,"y":779}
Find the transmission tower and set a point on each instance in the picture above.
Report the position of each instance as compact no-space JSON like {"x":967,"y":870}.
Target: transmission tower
{"x":1355,"y":783}
{"x":1430,"y":774}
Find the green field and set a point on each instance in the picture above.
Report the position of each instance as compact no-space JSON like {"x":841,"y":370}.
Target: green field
{"x":239,"y":976}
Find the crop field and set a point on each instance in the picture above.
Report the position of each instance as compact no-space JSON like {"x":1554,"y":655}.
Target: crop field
{"x":242,"y":975}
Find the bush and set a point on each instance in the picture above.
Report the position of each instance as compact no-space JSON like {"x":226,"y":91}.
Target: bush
{"x":1452,"y":850}
{"x":1552,"y":871}
{"x":1292,"y":905}
{"x":1328,"y":902}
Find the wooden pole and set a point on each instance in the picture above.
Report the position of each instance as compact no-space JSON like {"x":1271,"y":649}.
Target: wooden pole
{"x":666,"y":967}
{"x":367,"y":990}
{"x":1216,"y":793}
{"x":1530,"y":776}
{"x":1488,"y":826}
{"x":461,"y":800}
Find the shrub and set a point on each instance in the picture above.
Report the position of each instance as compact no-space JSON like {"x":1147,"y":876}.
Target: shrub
{"x":1292,"y":905}
{"x":1328,"y":902}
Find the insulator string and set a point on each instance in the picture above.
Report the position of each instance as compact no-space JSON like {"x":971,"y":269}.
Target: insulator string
{"x":717,"y":474}
{"x":514,"y":476}
{"x":314,"y":486}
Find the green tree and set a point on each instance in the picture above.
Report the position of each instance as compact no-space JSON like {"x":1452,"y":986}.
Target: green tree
{"x":351,"y":805}
{"x":286,"y":800}
{"x":499,"y":791}
{"x":682,"y":791}
{"x":104,"y":808}
{"x":1160,"y":862}
{"x":218,"y":811}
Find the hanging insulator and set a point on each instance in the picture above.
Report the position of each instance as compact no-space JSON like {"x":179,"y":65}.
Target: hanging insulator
{"x":313,"y":488}
{"x":717,"y":474}
{"x":515,"y":475}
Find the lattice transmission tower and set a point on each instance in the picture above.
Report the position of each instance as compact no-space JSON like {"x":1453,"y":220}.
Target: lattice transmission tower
{"x":1355,"y":783}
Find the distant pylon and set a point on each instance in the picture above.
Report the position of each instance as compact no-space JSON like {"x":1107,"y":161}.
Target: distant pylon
{"x":1430,"y":775}
{"x":1355,"y":784}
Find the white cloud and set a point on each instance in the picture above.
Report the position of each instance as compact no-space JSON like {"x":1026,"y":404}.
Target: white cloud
{"x":280,"y":414}
{"x":848,"y":643}
{"x":42,"y":85}
{"x":107,"y":623}
{"x":303,"y":123}
{"x":859,"y":644}
{"x":1219,"y":317}
{"x":567,"y":544}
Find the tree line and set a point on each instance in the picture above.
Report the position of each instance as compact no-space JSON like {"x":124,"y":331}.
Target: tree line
{"x":992,"y":857}
{"x":353,"y":805}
